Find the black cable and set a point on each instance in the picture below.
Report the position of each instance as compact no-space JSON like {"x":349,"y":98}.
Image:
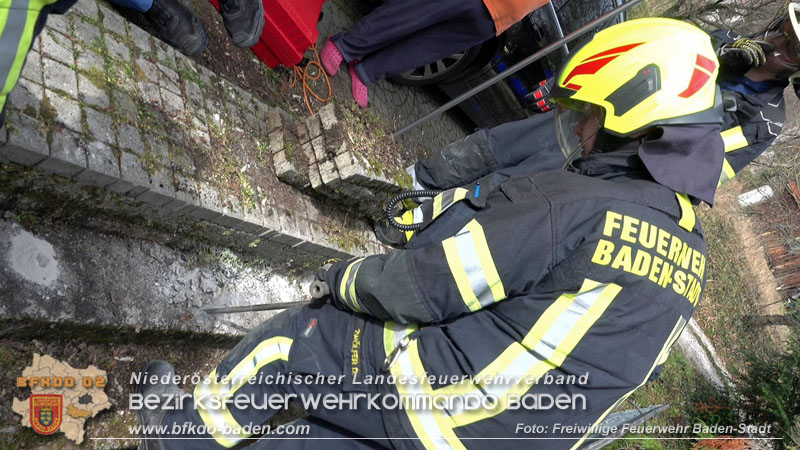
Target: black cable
{"x":400,"y":197}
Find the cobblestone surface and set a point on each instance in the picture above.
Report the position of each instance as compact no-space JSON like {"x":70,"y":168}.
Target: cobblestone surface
{"x":102,"y":103}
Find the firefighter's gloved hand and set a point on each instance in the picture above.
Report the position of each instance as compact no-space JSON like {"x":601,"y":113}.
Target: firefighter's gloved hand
{"x":742,"y":55}
{"x":538,"y":100}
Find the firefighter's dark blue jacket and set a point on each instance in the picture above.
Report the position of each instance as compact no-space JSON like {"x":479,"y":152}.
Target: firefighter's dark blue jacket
{"x":592,"y":272}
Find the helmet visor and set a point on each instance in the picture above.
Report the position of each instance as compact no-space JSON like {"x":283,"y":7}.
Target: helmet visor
{"x":576,"y":129}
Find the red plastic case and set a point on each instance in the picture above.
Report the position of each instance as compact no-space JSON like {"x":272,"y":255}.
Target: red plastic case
{"x":290,"y":28}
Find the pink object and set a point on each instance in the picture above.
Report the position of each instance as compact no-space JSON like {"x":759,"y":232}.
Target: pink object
{"x":331,"y":57}
{"x":290,"y":28}
{"x":360,"y":91}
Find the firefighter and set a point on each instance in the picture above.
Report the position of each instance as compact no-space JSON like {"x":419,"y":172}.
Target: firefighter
{"x":754,"y":73}
{"x":522,"y":288}
{"x":20,"y":23}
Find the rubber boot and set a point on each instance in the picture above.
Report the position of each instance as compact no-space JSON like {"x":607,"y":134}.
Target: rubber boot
{"x":151,"y":386}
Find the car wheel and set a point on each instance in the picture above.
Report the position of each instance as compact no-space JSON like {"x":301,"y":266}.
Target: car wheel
{"x":454,"y":66}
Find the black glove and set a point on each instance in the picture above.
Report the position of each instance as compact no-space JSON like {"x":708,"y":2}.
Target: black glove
{"x":538,"y":99}
{"x":742,"y":55}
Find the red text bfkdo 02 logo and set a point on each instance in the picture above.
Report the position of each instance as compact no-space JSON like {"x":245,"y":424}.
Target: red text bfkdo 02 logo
{"x":46,"y":412}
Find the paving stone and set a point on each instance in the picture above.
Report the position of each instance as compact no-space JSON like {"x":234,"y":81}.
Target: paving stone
{"x":318,"y":145}
{"x":193,"y":93}
{"x":301,"y":131}
{"x":116,"y":49}
{"x":228,"y":218}
{"x":57,"y":47}
{"x":112,"y":21}
{"x":124,"y":106}
{"x":327,"y":116}
{"x":173,"y":103}
{"x":185,"y":192}
{"x":27,"y":144}
{"x":100,"y":125}
{"x":36,"y":45}
{"x":92,"y":94}
{"x":164,"y":53}
{"x":314,"y":125}
{"x":210,"y":206}
{"x":60,"y":77}
{"x":33,"y":68}
{"x":277,"y":119}
{"x":140,"y":38}
{"x":167,"y":83}
{"x":130,"y":138}
{"x":102,"y":168}
{"x":86,"y":33}
{"x":329,"y":174}
{"x":135,"y":180}
{"x":85,"y":8}
{"x":27,"y":96}
{"x":150,"y":92}
{"x":159,"y":150}
{"x":66,"y":110}
{"x":67,"y":154}
{"x":160,"y":190}
{"x":88,"y":60}
{"x":60,"y":22}
{"x":149,"y":69}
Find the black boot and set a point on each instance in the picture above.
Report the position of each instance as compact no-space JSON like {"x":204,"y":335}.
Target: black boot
{"x":152,"y":376}
{"x":178,"y":26}
{"x":244,"y":20}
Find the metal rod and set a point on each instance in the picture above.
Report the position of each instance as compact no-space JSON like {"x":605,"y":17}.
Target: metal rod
{"x":251,"y":308}
{"x":517,"y":67}
{"x":557,"y":25}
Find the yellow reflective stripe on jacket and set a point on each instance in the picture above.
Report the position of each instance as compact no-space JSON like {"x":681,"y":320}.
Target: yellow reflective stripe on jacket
{"x":211,"y":391}
{"x":473,"y":268}
{"x":17,"y":23}
{"x":432,"y":427}
{"x":734,"y":139}
{"x":660,"y":359}
{"x":727,"y":172}
{"x":347,"y":288}
{"x":688,"y":218}
{"x":552,"y":337}
{"x":446,"y":199}
{"x":545,"y":347}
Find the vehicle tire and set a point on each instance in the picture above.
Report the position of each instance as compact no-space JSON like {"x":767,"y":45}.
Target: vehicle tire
{"x":455,"y":66}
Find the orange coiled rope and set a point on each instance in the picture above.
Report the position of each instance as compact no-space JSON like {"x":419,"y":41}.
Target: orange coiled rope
{"x":309,"y":74}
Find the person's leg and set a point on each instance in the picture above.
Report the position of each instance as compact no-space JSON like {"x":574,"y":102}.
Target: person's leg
{"x":255,"y":371}
{"x":136,"y":5}
{"x":464,"y":24}
{"x":394,"y":21}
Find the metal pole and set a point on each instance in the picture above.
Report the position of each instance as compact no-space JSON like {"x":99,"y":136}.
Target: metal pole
{"x":557,"y":25}
{"x":251,"y":308}
{"x":516,"y":68}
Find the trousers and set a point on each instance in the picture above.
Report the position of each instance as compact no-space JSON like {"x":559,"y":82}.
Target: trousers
{"x":301,"y":354}
{"x":401,"y":35}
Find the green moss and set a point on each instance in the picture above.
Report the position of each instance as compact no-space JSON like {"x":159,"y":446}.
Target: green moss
{"x":187,"y":73}
{"x":248,"y":194}
{"x":97,"y":77}
{"x":403,"y":179}
{"x":263,"y":150}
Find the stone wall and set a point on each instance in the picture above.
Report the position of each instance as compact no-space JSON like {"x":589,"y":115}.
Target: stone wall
{"x":116,"y":121}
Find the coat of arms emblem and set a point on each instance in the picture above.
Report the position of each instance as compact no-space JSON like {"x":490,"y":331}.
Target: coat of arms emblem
{"x":46,"y":413}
